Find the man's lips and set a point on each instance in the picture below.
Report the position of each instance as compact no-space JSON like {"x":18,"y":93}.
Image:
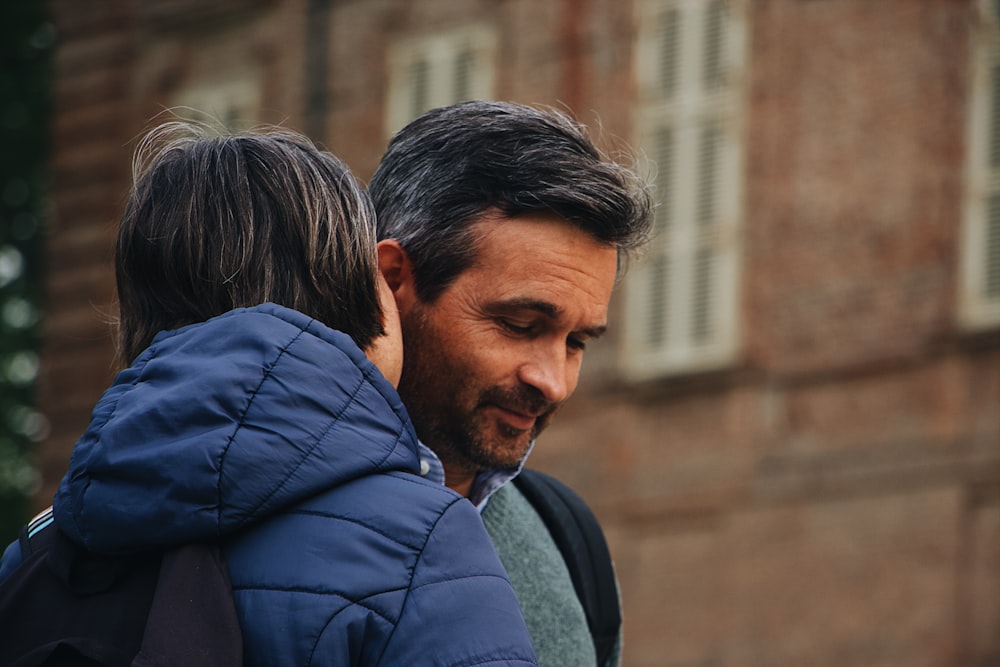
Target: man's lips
{"x":520,"y":421}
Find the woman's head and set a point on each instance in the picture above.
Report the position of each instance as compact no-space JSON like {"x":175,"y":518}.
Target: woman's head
{"x":216,"y":222}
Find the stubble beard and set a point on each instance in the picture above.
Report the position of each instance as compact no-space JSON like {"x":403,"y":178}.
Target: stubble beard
{"x":448,"y":409}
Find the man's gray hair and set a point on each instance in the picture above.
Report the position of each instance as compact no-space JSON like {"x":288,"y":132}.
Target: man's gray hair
{"x":450,"y":166}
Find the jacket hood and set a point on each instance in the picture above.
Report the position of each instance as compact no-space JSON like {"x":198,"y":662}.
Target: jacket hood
{"x":223,"y":423}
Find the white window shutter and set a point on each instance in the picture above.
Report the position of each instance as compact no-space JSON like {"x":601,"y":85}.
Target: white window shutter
{"x":667,"y":42}
{"x":979,"y":292}
{"x":230,"y":97}
{"x":994,"y":117}
{"x":419,"y":86}
{"x":439,"y":69}
{"x":991,"y":233}
{"x":704,"y":281}
{"x":464,"y":74}
{"x":991,"y":282}
{"x":714,"y":46}
{"x":680,"y":298}
{"x":657,"y":302}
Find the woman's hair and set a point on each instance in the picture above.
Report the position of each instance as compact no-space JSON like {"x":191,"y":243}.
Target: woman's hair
{"x":214,"y":223}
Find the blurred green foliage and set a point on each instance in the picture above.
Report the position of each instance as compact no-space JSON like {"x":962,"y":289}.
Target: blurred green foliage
{"x":26,"y":45}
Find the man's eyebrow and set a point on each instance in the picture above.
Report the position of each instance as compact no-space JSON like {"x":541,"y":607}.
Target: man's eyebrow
{"x":548,"y":309}
{"x":594,"y":332}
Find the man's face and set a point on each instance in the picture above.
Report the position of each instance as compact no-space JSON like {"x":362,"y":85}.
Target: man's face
{"x":488,"y":362}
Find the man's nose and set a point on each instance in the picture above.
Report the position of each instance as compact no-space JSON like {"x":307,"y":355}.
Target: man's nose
{"x":552,"y":373}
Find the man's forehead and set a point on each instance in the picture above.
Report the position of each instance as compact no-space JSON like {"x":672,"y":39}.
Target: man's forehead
{"x":493,"y":220}
{"x":543,"y":258}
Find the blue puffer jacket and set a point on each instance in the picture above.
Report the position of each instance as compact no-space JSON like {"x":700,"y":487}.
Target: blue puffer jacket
{"x":273,"y":433}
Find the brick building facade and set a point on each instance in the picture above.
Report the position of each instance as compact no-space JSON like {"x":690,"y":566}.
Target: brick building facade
{"x":792,"y":434}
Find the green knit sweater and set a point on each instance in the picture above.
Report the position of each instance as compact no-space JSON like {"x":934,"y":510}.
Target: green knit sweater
{"x":541,"y":581}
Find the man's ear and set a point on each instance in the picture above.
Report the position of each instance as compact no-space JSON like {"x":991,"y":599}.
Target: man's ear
{"x":396,"y":268}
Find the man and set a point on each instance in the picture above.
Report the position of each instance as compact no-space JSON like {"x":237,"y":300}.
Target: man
{"x":502,"y":231}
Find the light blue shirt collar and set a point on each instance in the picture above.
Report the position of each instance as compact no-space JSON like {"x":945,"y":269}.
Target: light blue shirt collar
{"x":486,"y":483}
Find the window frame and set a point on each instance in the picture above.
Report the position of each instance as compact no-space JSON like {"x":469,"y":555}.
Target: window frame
{"x":442,"y":53}
{"x":234,"y":101}
{"x":977,"y":309}
{"x":682,"y":104}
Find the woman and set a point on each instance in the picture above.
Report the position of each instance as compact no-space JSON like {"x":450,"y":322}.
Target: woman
{"x":258,"y":411}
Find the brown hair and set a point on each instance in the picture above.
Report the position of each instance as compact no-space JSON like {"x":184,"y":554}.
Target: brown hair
{"x":214,"y":223}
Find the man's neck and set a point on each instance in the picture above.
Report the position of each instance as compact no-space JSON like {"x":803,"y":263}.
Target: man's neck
{"x":459,"y":478}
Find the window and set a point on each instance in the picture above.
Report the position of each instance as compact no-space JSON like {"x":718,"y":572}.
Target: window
{"x":681,"y":298}
{"x":233,"y":101}
{"x":979,"y":298}
{"x":207,"y":61}
{"x":432,"y":71}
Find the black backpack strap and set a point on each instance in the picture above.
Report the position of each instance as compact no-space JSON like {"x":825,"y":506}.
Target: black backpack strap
{"x":64,"y":605}
{"x":193,"y":601}
{"x":581,"y":542}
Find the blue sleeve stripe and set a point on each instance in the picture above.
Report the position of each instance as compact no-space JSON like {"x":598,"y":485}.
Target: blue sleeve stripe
{"x":40,"y":522}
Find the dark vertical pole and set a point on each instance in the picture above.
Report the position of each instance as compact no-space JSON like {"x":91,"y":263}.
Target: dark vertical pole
{"x":575,"y":53}
{"x":317,"y":53}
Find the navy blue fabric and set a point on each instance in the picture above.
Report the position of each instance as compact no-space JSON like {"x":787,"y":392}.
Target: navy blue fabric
{"x":270,"y":432}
